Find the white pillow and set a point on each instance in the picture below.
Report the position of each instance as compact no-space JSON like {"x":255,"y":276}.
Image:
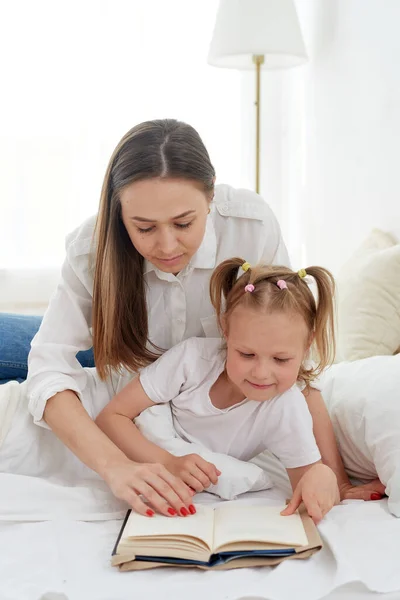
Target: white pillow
{"x":363,"y":399}
{"x":369,"y":300}
{"x":237,"y":476}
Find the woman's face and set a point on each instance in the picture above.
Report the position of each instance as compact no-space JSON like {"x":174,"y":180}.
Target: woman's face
{"x":165,"y":220}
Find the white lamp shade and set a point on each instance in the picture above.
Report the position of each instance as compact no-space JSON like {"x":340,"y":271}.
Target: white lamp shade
{"x":244,"y":28}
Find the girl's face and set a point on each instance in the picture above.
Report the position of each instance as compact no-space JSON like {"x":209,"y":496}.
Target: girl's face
{"x":165,"y":220}
{"x":265,"y":351}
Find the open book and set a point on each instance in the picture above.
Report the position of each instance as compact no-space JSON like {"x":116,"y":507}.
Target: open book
{"x":228,"y":536}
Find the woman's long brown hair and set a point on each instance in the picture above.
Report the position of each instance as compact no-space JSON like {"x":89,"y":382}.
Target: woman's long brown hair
{"x":162,"y":148}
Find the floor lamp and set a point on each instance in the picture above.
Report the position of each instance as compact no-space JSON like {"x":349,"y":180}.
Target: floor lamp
{"x":256,"y":34}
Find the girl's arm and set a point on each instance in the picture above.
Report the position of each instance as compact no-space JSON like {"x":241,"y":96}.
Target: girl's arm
{"x":116,"y":421}
{"x":326,"y":442}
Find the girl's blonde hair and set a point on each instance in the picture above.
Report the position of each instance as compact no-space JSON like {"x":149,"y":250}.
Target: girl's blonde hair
{"x":227,"y":291}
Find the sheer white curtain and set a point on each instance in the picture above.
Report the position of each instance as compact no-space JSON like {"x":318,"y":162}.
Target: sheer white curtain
{"x":76,"y":75}
{"x":340,"y":157}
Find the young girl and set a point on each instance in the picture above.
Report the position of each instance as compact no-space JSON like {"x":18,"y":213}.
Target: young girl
{"x":241,"y":397}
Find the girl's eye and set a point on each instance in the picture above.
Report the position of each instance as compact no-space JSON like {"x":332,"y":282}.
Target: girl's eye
{"x":147,"y":230}
{"x":244,"y":355}
{"x":282,"y":360}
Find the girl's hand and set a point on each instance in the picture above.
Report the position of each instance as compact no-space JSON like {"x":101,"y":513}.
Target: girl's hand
{"x":163,"y":491}
{"x":373,"y":490}
{"x":193,"y":470}
{"x":318,"y":490}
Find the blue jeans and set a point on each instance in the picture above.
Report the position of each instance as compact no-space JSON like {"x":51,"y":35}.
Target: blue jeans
{"x":16,"y":333}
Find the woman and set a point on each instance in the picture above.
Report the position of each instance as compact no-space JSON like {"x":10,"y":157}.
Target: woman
{"x":135,"y":281}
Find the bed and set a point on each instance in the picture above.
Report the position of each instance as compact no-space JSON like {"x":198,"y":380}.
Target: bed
{"x":56,"y":538}
{"x":70,"y":559}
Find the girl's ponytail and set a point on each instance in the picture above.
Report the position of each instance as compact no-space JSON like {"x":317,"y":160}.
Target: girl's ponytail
{"x":222,"y":281}
{"x":324,"y":328}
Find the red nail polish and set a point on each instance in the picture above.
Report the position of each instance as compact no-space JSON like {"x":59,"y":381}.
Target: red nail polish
{"x":376,"y":496}
{"x":192,"y":509}
{"x":172,"y":511}
{"x":149,"y":512}
{"x":184,"y":512}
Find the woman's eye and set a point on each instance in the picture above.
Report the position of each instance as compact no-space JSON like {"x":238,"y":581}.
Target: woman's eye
{"x":183,"y":225}
{"x":245,"y":355}
{"x":282,"y":360}
{"x":178,"y":225}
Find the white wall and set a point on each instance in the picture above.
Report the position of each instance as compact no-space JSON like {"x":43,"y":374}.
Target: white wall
{"x":330,"y":163}
{"x":341,"y":130}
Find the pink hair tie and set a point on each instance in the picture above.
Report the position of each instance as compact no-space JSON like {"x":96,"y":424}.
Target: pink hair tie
{"x":282,"y":285}
{"x":249,"y":288}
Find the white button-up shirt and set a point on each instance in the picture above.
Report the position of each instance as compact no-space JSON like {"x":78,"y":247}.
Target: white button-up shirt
{"x":240,"y":224}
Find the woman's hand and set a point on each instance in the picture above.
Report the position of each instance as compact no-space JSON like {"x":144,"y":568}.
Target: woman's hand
{"x":163,"y":491}
{"x":318,"y":490}
{"x":193,"y":470}
{"x":373,"y":490}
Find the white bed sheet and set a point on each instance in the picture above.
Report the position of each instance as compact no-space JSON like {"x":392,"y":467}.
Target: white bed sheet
{"x":56,"y":540}
{"x":71,"y":559}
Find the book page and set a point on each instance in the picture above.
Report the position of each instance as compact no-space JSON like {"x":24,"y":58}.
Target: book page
{"x":257,"y":523}
{"x":200,"y":525}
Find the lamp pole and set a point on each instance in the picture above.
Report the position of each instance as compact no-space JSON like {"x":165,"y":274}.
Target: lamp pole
{"x":258,"y":60}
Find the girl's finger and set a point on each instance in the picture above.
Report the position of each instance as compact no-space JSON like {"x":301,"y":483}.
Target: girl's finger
{"x":208,"y":469}
{"x":200,"y":476}
{"x":293,"y":504}
{"x":327,"y":506}
{"x":194,"y":483}
{"x":313,"y":509}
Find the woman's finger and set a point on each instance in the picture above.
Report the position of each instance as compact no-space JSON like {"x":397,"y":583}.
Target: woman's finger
{"x":132,"y":498}
{"x":159,"y":487}
{"x":178,"y":485}
{"x":153,"y":493}
{"x":373,"y":490}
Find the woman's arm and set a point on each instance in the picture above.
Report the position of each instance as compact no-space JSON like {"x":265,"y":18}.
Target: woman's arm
{"x":326,"y":442}
{"x":64,"y":331}
{"x":66,"y":416}
{"x":55,"y":380}
{"x":116,"y":421}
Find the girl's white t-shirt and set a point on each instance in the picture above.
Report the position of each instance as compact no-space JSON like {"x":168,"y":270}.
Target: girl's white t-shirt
{"x":184,"y":376}
{"x":240,"y":224}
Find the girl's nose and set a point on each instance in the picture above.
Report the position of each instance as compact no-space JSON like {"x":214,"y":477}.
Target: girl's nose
{"x":262,"y":371}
